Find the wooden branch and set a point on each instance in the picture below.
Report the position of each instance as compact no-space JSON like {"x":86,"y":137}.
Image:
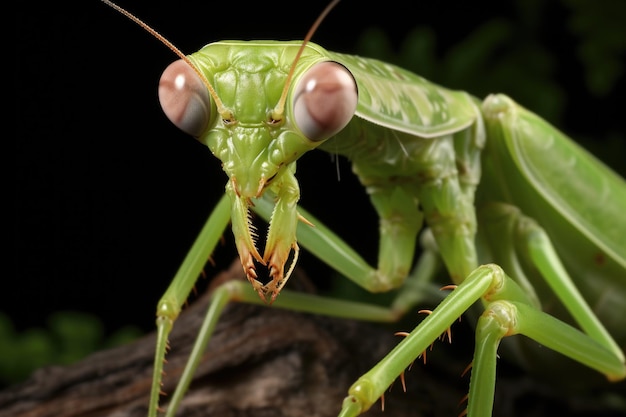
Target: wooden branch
{"x":261,"y":362}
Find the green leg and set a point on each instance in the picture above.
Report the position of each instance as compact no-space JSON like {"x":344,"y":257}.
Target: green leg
{"x":242,"y":291}
{"x":501,"y":318}
{"x":370,"y":387}
{"x":325,"y":245}
{"x":508,"y":311}
{"x":331,"y":249}
{"x":171,"y":303}
{"x":509,"y":232}
{"x":514,"y":240}
{"x":504,"y":318}
{"x":548,"y":263}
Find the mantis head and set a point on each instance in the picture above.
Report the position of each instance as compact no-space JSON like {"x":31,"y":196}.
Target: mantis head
{"x":259,"y":139}
{"x":256,"y":133}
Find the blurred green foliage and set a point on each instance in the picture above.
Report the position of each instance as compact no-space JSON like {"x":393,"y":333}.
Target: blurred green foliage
{"x":510,"y":54}
{"x":600,"y":26}
{"x":68,"y":337}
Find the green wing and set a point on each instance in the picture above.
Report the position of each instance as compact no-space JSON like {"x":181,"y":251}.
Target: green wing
{"x":584,"y":191}
{"x":398,"y":99}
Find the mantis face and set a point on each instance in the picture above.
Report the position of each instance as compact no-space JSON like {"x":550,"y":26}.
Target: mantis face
{"x":245,"y":123}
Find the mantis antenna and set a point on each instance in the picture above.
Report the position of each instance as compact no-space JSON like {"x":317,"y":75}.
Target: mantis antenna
{"x":280,"y":107}
{"x":218,"y":103}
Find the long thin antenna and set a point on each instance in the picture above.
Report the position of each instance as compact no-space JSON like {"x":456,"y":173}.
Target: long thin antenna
{"x":280,"y":107}
{"x":218,"y":103}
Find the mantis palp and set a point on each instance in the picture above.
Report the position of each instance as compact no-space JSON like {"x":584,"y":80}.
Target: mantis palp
{"x":486,"y":178}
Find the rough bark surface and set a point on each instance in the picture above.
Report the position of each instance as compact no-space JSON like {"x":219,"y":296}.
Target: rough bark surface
{"x":264,"y":362}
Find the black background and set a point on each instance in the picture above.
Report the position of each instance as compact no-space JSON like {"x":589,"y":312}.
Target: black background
{"x":109,"y":195}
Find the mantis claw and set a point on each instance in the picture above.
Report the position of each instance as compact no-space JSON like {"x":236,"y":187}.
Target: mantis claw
{"x":281,"y":236}
{"x":275,"y":258}
{"x":247,"y":261}
{"x":276,"y":265}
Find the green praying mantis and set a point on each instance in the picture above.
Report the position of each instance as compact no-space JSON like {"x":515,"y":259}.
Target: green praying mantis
{"x":487,"y":183}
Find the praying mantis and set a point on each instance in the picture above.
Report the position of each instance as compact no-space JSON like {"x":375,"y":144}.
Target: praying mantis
{"x":484,"y":177}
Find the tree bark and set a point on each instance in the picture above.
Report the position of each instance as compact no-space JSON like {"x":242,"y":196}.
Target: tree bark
{"x":260,"y":362}
{"x":267,"y":362}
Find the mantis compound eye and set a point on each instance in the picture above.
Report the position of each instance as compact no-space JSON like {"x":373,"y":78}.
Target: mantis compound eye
{"x":325,"y":100}
{"x":184,"y":98}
